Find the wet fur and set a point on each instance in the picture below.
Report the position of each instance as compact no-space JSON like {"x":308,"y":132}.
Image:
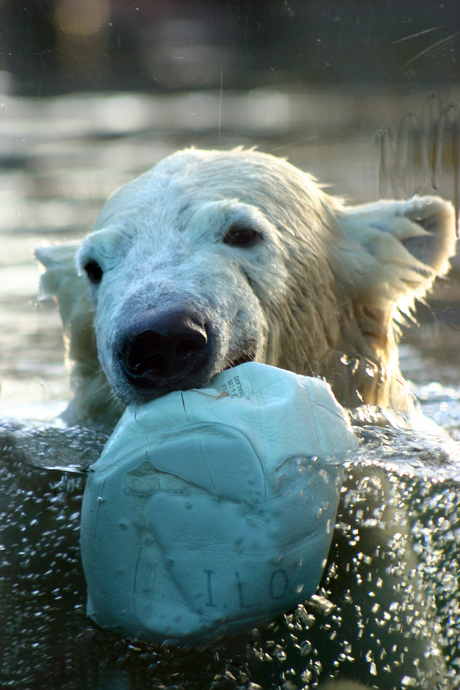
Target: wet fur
{"x":320,"y":294}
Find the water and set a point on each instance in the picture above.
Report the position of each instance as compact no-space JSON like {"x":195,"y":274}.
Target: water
{"x":390,"y":587}
{"x":378,"y":593}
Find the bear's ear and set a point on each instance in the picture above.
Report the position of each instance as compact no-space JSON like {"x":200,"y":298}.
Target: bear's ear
{"x":386,"y":254}
{"x":61,"y":280}
{"x":396,"y":251}
{"x":93,"y":403}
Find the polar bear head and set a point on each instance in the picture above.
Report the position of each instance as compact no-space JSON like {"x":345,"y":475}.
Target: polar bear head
{"x":213,"y":258}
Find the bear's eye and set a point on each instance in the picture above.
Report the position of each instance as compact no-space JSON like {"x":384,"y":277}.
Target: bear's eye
{"x":93,"y":271}
{"x":242,"y":237}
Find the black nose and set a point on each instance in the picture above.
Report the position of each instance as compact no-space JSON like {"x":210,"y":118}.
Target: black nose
{"x":170,"y":345}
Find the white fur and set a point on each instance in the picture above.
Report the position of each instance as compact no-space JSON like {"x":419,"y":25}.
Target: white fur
{"x":318,"y":295}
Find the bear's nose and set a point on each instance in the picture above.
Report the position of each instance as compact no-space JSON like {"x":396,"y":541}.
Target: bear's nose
{"x":169,"y":346}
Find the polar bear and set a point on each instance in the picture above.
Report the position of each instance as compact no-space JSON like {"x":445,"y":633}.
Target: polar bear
{"x":212,"y":259}
{"x":216,"y":258}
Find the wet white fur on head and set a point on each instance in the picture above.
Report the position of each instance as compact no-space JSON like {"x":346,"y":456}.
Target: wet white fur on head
{"x":326,"y":280}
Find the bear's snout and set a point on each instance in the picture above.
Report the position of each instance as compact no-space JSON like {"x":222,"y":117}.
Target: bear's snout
{"x":164,"y":348}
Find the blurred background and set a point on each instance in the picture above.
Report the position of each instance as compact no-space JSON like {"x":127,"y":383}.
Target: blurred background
{"x":49,"y":47}
{"x":360,"y":93}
